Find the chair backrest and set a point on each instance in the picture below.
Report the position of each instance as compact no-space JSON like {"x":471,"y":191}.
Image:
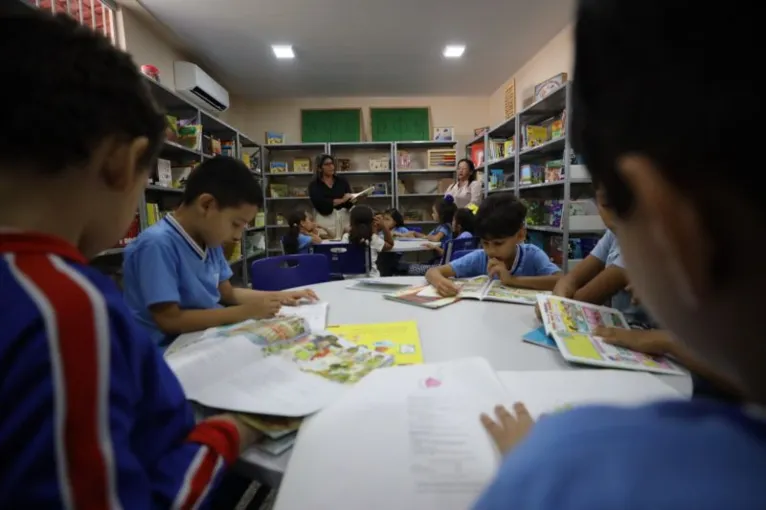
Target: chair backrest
{"x":456,"y":245}
{"x":288,"y":271}
{"x":345,"y":258}
{"x":460,"y":253}
{"x":414,"y":228}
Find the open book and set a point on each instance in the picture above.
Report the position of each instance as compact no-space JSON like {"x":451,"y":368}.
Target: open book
{"x":277,"y":367}
{"x":404,"y":438}
{"x":377,"y":285}
{"x":571,"y":324}
{"x":481,"y":288}
{"x":363,"y":193}
{"x":399,"y":339}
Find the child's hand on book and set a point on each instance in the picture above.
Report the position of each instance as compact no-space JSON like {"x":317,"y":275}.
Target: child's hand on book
{"x":294,"y":297}
{"x":445,"y":287}
{"x":508,"y":430}
{"x":654,"y":342}
{"x":263,"y":307}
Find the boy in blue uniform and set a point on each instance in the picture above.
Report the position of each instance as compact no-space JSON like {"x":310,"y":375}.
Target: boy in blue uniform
{"x":92,"y":417}
{"x":176,"y":277}
{"x":668,"y":194}
{"x":500,"y":225}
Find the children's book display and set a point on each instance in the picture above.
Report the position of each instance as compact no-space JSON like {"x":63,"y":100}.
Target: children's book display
{"x":481,"y":288}
{"x":277,"y":367}
{"x":404,"y":438}
{"x":571,"y":324}
{"x":377,"y":285}
{"x":399,"y":339}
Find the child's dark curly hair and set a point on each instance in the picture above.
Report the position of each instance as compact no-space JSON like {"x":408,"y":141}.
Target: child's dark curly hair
{"x":465,"y":219}
{"x":361,"y":219}
{"x":446,"y":210}
{"x":396,"y":216}
{"x":70,"y":90}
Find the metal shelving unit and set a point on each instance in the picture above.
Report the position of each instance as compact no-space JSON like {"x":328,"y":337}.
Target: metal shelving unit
{"x":559,"y":148}
{"x":359,"y":177}
{"x":419,"y":157}
{"x":169,"y":198}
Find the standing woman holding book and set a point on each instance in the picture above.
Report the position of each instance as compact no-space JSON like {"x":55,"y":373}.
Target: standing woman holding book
{"x":466,"y":189}
{"x":331,"y":197}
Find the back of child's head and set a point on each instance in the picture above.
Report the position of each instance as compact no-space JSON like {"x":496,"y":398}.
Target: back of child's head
{"x":465,"y":221}
{"x":445,"y":210}
{"x":682,"y":202}
{"x":396,"y":216}
{"x":227,"y":180}
{"x":294,"y":219}
{"x":500,"y":215}
{"x":361,"y":219}
{"x":70,"y":91}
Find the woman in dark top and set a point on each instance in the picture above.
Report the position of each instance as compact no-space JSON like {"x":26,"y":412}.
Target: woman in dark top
{"x":330,"y":195}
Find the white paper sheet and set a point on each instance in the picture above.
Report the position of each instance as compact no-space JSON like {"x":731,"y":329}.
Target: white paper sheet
{"x":552,"y":391}
{"x":315,"y":314}
{"x":231,"y":373}
{"x":404,"y":438}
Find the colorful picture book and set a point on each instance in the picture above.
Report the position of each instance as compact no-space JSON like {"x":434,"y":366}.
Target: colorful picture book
{"x":274,"y":138}
{"x":398,"y":339}
{"x":571,"y":324}
{"x":278,"y":167}
{"x":377,"y":285}
{"x":412,"y":296}
{"x":485,"y":289}
{"x":302,"y":165}
{"x":276,"y":367}
{"x":540,"y":337}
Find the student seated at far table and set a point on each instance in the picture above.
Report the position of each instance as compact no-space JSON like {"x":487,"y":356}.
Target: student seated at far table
{"x":302,"y":232}
{"x":500,"y":225}
{"x":176,"y":277}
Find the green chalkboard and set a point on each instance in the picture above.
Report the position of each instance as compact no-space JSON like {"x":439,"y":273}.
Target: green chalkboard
{"x":400,"y":124}
{"x":322,"y":126}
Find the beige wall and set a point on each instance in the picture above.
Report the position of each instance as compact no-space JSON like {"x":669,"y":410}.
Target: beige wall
{"x":464,"y":113}
{"x":555,"y":57}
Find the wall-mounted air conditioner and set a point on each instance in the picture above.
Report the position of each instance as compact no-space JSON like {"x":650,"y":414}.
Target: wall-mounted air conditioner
{"x":198,"y":87}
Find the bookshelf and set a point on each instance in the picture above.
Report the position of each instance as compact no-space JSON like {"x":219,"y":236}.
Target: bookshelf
{"x":367,"y":164}
{"x":541,"y":171}
{"x":161,"y":197}
{"x":420,"y":170}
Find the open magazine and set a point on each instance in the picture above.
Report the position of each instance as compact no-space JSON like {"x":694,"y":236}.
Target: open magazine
{"x":481,"y":288}
{"x":276,"y":367}
{"x":571,"y":324}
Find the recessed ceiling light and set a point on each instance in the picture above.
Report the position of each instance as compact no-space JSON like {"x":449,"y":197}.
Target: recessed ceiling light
{"x":282,"y":51}
{"x":454,"y":50}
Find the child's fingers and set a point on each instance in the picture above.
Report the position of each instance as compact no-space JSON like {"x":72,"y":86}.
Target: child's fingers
{"x":522,"y":414}
{"x":504,"y":417}
{"x":494,"y":429}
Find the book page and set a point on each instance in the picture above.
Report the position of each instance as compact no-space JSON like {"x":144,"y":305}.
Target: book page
{"x":315,"y":314}
{"x":404,"y":438}
{"x":546,"y":392}
{"x":497,"y":291}
{"x":567,"y":315}
{"x":398,"y":339}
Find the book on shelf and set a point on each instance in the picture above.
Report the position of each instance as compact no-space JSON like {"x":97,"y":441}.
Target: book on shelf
{"x":302,"y":165}
{"x":442,"y":159}
{"x":277,"y":367}
{"x":153,"y":213}
{"x":533,"y":135}
{"x":278,"y":167}
{"x":571,"y":324}
{"x":484,"y":288}
{"x":399,"y":339}
{"x":275,"y":138}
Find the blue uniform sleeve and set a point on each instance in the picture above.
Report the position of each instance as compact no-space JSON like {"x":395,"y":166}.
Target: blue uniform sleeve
{"x":93,"y":418}
{"x":601,"y":250}
{"x":304,"y":242}
{"x":224,"y":269}
{"x":473,"y":264}
{"x":541,"y":263}
{"x":157,"y":274}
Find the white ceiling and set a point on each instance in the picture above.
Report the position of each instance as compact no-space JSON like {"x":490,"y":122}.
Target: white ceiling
{"x":363,"y":47}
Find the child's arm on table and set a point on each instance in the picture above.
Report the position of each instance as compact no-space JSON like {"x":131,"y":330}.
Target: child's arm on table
{"x":603,"y":286}
{"x":388,"y":239}
{"x":173,"y":320}
{"x":439,"y":277}
{"x":232,"y":296}
{"x":578,"y":277}
{"x":436,"y":238}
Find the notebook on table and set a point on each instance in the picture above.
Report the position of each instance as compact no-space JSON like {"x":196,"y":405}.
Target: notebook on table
{"x":571,"y":324}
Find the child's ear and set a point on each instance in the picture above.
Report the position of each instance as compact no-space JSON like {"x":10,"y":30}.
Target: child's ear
{"x":120,"y":162}
{"x":206,"y":201}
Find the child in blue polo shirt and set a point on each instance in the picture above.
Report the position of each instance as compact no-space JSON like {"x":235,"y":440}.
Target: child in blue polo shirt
{"x":680,"y":206}
{"x":176,"y":277}
{"x":464,"y":224}
{"x":92,"y":416}
{"x":301,"y":233}
{"x":500,"y":225}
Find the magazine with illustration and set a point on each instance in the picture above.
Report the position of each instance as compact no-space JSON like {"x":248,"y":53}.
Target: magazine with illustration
{"x":571,"y":324}
{"x":485,"y":289}
{"x":275,"y":367}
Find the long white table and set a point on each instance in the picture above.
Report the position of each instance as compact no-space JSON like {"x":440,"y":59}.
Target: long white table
{"x":402,"y":246}
{"x":465,"y":329}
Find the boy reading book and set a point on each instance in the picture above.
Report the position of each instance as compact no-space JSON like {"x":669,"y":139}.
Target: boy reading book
{"x":92,"y":417}
{"x":500,"y":225}
{"x":667,"y":193}
{"x":176,"y":275}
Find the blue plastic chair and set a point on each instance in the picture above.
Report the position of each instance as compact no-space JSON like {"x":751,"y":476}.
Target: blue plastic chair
{"x":456,"y":245}
{"x":345,"y":258}
{"x":460,"y":253}
{"x":414,"y":228}
{"x":288,"y":271}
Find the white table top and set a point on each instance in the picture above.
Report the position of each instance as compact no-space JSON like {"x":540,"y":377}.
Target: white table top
{"x":467,"y":328}
{"x":403,"y":246}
